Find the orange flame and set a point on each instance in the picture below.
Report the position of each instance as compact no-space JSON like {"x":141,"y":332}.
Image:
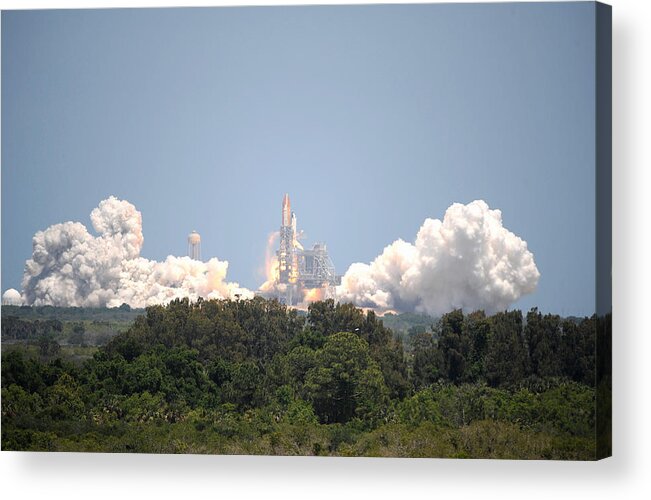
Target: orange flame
{"x":271,"y":271}
{"x":314,"y":294}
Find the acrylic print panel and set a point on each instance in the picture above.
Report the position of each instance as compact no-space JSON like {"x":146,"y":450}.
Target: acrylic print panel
{"x":343,"y":231}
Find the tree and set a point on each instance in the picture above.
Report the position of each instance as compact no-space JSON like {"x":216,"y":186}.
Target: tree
{"x":339,"y":385}
{"x":326,"y":318}
{"x":428,"y":362}
{"x":505,"y":357}
{"x":543,"y":337}
{"x":77,"y":335}
{"x":453,"y":345}
{"x":48,"y":347}
{"x":64,"y":400}
{"x":476,"y":329}
{"x":239,"y":384}
{"x":371,"y":397}
{"x":24,"y":372}
{"x":16,"y":402}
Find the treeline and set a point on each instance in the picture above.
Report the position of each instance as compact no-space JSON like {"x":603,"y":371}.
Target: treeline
{"x":80,"y":332}
{"x":253,"y":376}
{"x":504,"y":351}
{"x":121,"y":314}
{"x":14,"y":328}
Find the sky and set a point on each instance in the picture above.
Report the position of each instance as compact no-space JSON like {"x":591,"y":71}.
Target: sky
{"x":372,"y":118}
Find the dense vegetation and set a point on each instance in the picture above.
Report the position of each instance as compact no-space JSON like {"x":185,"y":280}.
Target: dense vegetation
{"x":60,"y":326}
{"x":122,"y":314}
{"x":254,"y":377}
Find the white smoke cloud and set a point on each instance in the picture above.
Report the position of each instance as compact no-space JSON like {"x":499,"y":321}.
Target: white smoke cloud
{"x":71,"y":267}
{"x":468,"y":261}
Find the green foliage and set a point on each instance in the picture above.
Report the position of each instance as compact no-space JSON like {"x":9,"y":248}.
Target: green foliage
{"x":241,"y":387}
{"x":48,"y":347}
{"x":41,"y":313}
{"x":300,"y":412}
{"x":427,"y":360}
{"x":345,"y":381}
{"x":77,"y":334}
{"x":254,"y":377}
{"x":476,"y":329}
{"x":454,"y":346}
{"x":145,"y":407}
{"x":26,"y":373}
{"x":505,"y":359}
{"x":566,"y":408}
{"x":421,"y":407}
{"x":18,"y":403}
{"x":70,"y":325}
{"x":63,"y":400}
{"x":15,"y":328}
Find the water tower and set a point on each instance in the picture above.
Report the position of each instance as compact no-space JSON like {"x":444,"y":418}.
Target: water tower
{"x":12,"y":298}
{"x":194,"y":246}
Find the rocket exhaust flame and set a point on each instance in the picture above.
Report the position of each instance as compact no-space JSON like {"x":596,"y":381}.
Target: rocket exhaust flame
{"x":271,"y":268}
{"x":314,"y":294}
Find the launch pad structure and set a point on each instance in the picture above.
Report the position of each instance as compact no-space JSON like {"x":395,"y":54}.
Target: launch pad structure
{"x":300,"y":270}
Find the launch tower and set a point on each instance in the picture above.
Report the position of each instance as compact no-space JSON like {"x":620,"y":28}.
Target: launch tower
{"x":300,"y":269}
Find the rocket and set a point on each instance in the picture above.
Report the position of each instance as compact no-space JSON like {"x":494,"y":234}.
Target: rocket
{"x":287,"y":256}
{"x":287,"y":212}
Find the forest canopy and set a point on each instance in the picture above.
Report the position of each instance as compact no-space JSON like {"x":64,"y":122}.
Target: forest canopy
{"x":254,"y":376}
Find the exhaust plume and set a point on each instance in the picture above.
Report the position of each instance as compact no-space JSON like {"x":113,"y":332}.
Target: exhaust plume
{"x":71,"y":267}
{"x":468,"y":261}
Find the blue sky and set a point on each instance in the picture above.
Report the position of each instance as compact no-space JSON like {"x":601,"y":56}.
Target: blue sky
{"x":371,"y":117}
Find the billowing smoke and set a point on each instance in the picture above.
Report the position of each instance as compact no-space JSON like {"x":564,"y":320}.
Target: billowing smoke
{"x":71,"y":267}
{"x":468,"y":261}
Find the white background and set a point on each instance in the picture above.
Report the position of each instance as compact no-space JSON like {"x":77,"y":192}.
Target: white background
{"x":626,"y":475}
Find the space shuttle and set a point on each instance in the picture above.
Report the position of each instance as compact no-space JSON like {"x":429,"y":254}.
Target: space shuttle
{"x":287,"y":211}
{"x":287,"y":252}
